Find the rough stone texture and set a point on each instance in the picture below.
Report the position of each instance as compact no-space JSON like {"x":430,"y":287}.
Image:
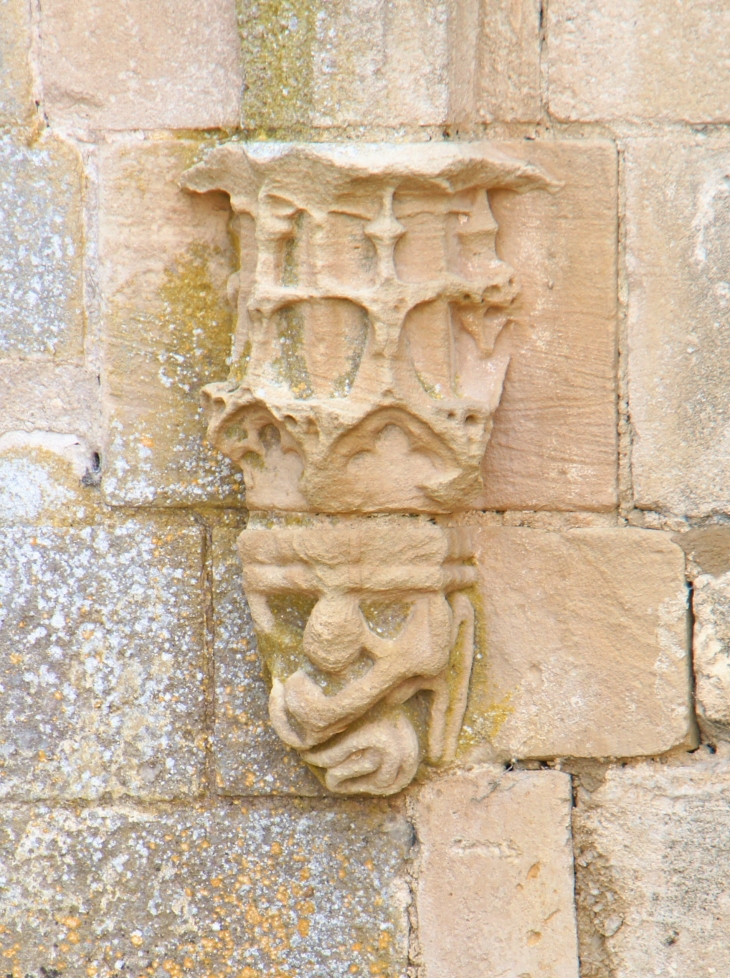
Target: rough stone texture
{"x":136,"y":65}
{"x":41,"y":249}
{"x":495,"y":61}
{"x":495,"y":886}
{"x":707,"y":548}
{"x":102,"y":642}
{"x":64,"y":398}
{"x":165,"y":257}
{"x":652,"y":846}
{"x":249,"y":757}
{"x":678,"y":238}
{"x":16,"y":82}
{"x":584,"y":644}
{"x":627,"y":59}
{"x":554,"y":440}
{"x":338,"y":62}
{"x":711,"y":607}
{"x":254,"y":892}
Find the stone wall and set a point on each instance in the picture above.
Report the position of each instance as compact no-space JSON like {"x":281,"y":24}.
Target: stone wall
{"x":151,"y":823}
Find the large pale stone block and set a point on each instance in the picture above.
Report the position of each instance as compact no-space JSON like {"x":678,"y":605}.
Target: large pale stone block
{"x":553,"y":445}
{"x":41,"y":249}
{"x":584,"y":644}
{"x":16,"y":82}
{"x":711,"y":607}
{"x":495,"y":883}
{"x":138,"y":65}
{"x":64,"y":398}
{"x":102,"y":650}
{"x":229,"y":889}
{"x":495,"y":61}
{"x":613,"y":60}
{"x":165,"y":257}
{"x":678,"y":239}
{"x":250,"y":759}
{"x":652,"y":849}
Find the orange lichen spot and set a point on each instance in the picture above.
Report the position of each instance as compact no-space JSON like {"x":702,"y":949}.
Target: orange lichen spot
{"x":147,"y":441}
{"x":58,"y":695}
{"x":16,"y":658}
{"x":136,"y":939}
{"x":276,"y":848}
{"x":384,"y":941}
{"x":534,"y":871}
{"x":303,"y":926}
{"x":42,"y":756}
{"x":216,"y":881}
{"x":173,"y":968}
{"x":188,"y":963}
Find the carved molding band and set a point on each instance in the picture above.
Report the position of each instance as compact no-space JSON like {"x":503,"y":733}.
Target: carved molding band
{"x":367,"y":366}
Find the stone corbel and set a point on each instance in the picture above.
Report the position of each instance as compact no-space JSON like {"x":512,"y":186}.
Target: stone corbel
{"x":368,"y":365}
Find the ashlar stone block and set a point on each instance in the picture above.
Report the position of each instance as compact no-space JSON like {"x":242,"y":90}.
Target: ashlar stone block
{"x":102,"y":649}
{"x":584,"y":644}
{"x":227,"y":889}
{"x":711,"y":607}
{"x":495,"y":876}
{"x":136,"y":65}
{"x":630,"y":59}
{"x":678,"y":237}
{"x":165,"y":258}
{"x":41,"y":249}
{"x":63,"y":398}
{"x":16,"y":84}
{"x":651,"y":869}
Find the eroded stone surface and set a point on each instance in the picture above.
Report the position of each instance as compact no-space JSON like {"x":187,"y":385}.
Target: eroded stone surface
{"x":627,"y":59}
{"x":16,"y":99}
{"x":102,"y":642}
{"x":495,"y":876}
{"x":711,"y":608}
{"x":231,"y":889}
{"x":41,"y":249}
{"x":165,"y":257}
{"x":651,"y":865}
{"x":678,"y":238}
{"x":64,"y":398}
{"x":134,"y":65}
{"x":585,"y":644}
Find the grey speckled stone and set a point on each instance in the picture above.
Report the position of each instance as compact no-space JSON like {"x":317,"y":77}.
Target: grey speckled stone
{"x":41,"y":246}
{"x":16,"y":83}
{"x":239,"y":890}
{"x":101,"y":638}
{"x":249,"y":757}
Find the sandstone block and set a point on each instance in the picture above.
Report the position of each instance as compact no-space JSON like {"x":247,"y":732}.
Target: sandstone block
{"x":16,"y":85}
{"x":611,"y":60}
{"x":711,"y":607}
{"x":242,"y":890}
{"x":651,"y":870}
{"x":495,"y":61}
{"x":250,"y":759}
{"x":708,"y":549}
{"x":41,"y":249}
{"x":584,"y":644}
{"x":678,"y":236}
{"x":135,"y":65}
{"x":553,"y":445}
{"x":165,"y":257}
{"x":102,"y":678}
{"x":495,"y":885}
{"x":64,"y":398}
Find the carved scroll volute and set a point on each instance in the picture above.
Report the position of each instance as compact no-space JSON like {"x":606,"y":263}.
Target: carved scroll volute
{"x":368,"y":365}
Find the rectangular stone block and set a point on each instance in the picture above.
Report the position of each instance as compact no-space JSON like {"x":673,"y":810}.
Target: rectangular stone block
{"x":584,"y":644}
{"x":41,"y":249}
{"x":137,"y":65}
{"x":678,"y":237}
{"x":632,"y":59}
{"x":495,"y":877}
{"x":711,"y":608}
{"x":250,"y":759}
{"x":241,"y":890}
{"x":652,"y":846}
{"x":165,"y":257}
{"x":16,"y":83}
{"x":64,"y":398}
{"x":495,"y":61}
{"x":102,"y":661}
{"x":553,"y":445}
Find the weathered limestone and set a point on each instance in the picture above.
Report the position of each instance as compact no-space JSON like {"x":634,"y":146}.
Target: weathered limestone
{"x":678,"y":236}
{"x":41,"y":249}
{"x":626,"y":59}
{"x":165,"y":257}
{"x":707,"y":549}
{"x":16,"y":83}
{"x":583,"y":645}
{"x":135,"y":65}
{"x":102,"y":651}
{"x":224,"y":889}
{"x":64,"y":398}
{"x":651,"y":862}
{"x":711,"y":607}
{"x":495,"y":876}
